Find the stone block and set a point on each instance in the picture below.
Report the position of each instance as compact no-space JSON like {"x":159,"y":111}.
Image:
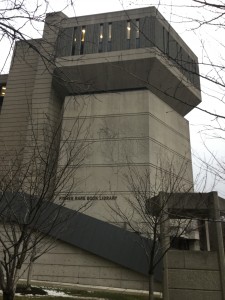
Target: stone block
{"x":194,"y":279}
{"x":110,"y":273}
{"x":201,"y":260}
{"x":176,"y":294}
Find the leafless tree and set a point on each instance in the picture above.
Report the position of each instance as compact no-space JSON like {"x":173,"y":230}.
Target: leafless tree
{"x":22,"y":21}
{"x":35,"y":183}
{"x":145,"y":211}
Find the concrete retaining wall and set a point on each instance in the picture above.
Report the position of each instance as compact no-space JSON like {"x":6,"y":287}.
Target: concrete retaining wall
{"x":193,"y":275}
{"x":67,"y":264}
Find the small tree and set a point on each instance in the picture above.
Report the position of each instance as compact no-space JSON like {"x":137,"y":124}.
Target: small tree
{"x":31,"y":201}
{"x":148,"y":217}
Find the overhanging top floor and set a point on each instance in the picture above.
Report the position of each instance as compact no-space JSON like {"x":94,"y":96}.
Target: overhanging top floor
{"x":124,"y":30}
{"x":126,"y":70}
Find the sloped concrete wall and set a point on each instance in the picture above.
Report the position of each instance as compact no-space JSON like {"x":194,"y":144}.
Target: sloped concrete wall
{"x":193,"y":275}
{"x":68,"y":264}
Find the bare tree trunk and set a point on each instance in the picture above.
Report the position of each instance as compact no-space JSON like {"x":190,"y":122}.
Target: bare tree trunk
{"x":29,"y":275}
{"x":8,"y":294}
{"x":151,"y":287}
{"x":2,"y":279}
{"x":30,"y":268}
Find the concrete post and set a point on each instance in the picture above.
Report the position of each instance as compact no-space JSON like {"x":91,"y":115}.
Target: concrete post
{"x":207,"y":235}
{"x":215,"y":214}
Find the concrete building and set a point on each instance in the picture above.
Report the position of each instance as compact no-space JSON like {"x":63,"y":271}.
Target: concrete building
{"x":130,"y":80}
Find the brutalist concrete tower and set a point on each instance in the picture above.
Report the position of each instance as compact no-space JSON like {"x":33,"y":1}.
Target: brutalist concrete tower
{"x":134,"y":80}
{"x":127,"y":74}
{"x":119,"y":83}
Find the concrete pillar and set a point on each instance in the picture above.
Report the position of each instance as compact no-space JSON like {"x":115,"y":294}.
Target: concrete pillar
{"x":218,"y":235}
{"x":207,"y":235}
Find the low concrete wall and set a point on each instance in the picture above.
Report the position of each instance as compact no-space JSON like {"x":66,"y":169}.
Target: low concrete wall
{"x":194,"y":275}
{"x":68,"y":264}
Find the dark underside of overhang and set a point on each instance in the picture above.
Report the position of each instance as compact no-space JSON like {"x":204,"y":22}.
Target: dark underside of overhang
{"x":141,"y":73}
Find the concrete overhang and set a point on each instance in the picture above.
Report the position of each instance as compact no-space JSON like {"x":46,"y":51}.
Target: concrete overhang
{"x":126,"y":70}
{"x":183,"y":205}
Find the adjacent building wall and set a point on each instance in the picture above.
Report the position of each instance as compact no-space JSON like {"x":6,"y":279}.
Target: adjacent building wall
{"x":17,"y":103}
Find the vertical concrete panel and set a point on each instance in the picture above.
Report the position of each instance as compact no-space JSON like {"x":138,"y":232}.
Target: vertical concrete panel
{"x":116,"y":27}
{"x":124,"y":42}
{"x":133,"y":34}
{"x":105,"y":37}
{"x":159,"y":37}
{"x":65,"y":42}
{"x":90,"y":39}
{"x":173,"y":49}
{"x":78,"y":40}
{"x":142,"y":32}
{"x":95,"y":38}
{"x":148,"y":30}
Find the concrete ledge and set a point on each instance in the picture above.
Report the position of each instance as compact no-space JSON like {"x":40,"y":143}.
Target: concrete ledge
{"x":70,"y":286}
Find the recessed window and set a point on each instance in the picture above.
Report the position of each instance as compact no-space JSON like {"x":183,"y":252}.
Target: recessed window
{"x":164,"y":42}
{"x":2,"y":94}
{"x":83,"y":32}
{"x":110,"y":32}
{"x":128,"y":30}
{"x":74,"y":41}
{"x":101,"y":33}
{"x":109,"y":46}
{"x":137,"y":29}
{"x":137,"y":33}
{"x":2,"y":91}
{"x":100,"y":38}
{"x":168,"y":43}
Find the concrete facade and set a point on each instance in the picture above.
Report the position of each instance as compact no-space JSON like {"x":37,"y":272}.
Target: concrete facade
{"x":132,"y":128}
{"x":129,"y":79}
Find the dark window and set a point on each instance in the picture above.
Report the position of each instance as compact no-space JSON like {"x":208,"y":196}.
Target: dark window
{"x":128,"y":34}
{"x":137,"y":33}
{"x":109,"y":45}
{"x":110,"y":32}
{"x":100,"y":38}
{"x":168,"y":43}
{"x":83,"y":32}
{"x":166,"y":38}
{"x":137,"y":29}
{"x":2,"y":90}
{"x":128,"y":30}
{"x":2,"y":94}
{"x":164,"y":42}
{"x":101,"y":33}
{"x":74,"y":41}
